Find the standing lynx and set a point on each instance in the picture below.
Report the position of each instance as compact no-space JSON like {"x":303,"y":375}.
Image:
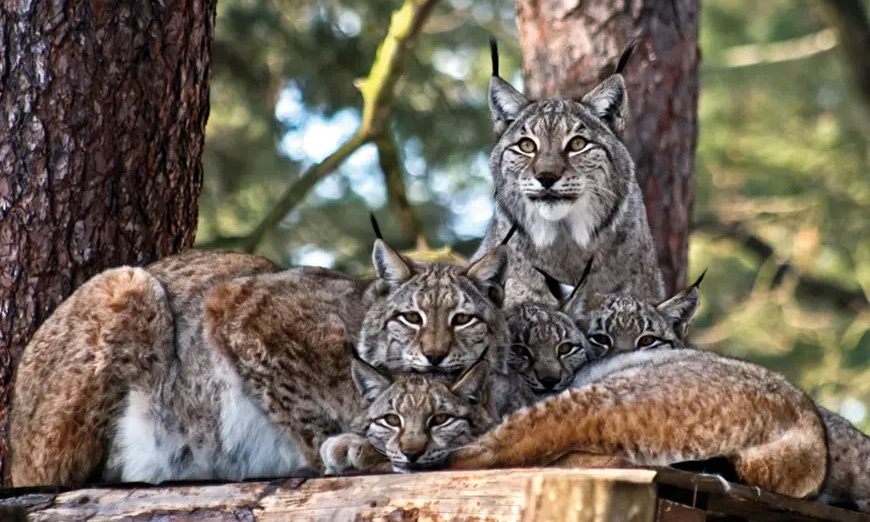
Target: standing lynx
{"x":564,"y":178}
{"x":219,"y":366}
{"x":659,"y":407}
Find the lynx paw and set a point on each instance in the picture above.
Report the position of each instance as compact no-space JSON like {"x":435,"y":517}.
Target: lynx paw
{"x":348,"y":452}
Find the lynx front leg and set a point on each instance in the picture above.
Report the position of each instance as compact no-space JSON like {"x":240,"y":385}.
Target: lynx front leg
{"x":349,"y":452}
{"x":114,"y":331}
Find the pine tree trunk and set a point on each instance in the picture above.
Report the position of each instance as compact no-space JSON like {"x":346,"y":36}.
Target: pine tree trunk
{"x":103,"y":108}
{"x":569,"y":45}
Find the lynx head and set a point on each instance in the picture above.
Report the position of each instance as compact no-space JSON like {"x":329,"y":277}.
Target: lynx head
{"x":546,"y":347}
{"x":559,"y":164}
{"x":620,"y":323}
{"x":435,"y":317}
{"x":418,"y":420}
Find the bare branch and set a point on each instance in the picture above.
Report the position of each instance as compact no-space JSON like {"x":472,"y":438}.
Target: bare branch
{"x":808,"y":286}
{"x":394,"y":177}
{"x":784,"y":51}
{"x":377,"y":91}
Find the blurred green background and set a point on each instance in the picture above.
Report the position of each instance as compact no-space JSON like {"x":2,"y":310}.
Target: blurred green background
{"x":781,"y":171}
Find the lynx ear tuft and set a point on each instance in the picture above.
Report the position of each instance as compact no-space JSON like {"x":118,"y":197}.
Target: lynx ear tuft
{"x":505,"y":104}
{"x":368,"y":380}
{"x":472,"y":385}
{"x":608,"y":100}
{"x":681,"y":308}
{"x":626,"y":55}
{"x":575,"y":304}
{"x":553,"y":285}
{"x":392,"y":268}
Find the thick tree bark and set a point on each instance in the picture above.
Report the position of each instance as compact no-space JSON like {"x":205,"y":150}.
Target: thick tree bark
{"x":570,"y":45}
{"x":103,"y":108}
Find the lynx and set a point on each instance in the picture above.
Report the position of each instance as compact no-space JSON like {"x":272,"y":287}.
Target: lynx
{"x":627,"y":323}
{"x":563,"y":177}
{"x":221,"y":366}
{"x":659,"y":407}
{"x":413,"y":421}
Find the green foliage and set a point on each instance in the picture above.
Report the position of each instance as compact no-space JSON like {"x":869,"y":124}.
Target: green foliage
{"x":783,"y":155}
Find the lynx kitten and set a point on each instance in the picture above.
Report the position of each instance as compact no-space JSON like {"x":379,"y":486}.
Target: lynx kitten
{"x":220,"y":366}
{"x":659,"y":407}
{"x":413,"y":421}
{"x":629,"y":322}
{"x":564,"y":178}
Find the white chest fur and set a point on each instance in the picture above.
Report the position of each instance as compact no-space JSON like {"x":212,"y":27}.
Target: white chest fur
{"x":153,"y":444}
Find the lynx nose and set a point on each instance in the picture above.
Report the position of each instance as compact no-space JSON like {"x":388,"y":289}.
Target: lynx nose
{"x":549,"y":382}
{"x":547,"y":179}
{"x":435,"y":358}
{"x":413,"y":455}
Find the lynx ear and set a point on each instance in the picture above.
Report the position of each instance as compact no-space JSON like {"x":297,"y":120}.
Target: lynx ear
{"x":471,"y":385}
{"x":681,"y":308}
{"x":609,"y":102}
{"x":575,"y":304}
{"x":505,"y":104}
{"x":489,"y":272}
{"x":391,"y":267}
{"x":368,"y":380}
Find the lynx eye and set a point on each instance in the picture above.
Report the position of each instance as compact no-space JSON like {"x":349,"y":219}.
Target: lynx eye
{"x":391,"y":419}
{"x":461,"y":319}
{"x":576,"y":144}
{"x":521,"y":351}
{"x":567,"y":349}
{"x":645,"y":341}
{"x":439,"y":419}
{"x":601,"y":340}
{"x":526,"y":145}
{"x":411,"y":318}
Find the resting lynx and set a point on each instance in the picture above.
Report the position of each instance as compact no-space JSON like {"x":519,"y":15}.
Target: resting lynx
{"x":564,"y":178}
{"x":413,"y":421}
{"x":630,"y":323}
{"x":220,"y":366}
{"x":658,"y":407}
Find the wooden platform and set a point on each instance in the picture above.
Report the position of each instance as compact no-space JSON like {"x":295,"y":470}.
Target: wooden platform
{"x":493,"y":495}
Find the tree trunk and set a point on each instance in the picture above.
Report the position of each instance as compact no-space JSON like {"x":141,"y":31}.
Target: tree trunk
{"x":103,"y":108}
{"x":569,"y":45}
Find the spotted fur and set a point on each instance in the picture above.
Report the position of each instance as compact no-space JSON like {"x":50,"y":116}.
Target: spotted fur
{"x":562,"y":175}
{"x":658,"y":407}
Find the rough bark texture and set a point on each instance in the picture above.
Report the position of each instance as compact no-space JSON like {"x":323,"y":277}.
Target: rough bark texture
{"x":103,"y":108}
{"x":570,"y":45}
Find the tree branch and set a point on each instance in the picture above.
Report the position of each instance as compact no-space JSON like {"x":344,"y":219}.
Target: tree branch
{"x":394,"y":177}
{"x":808,"y":286}
{"x":784,"y":51}
{"x":377,"y":91}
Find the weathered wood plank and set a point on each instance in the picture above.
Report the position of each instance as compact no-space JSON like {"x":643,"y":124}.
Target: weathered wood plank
{"x":492,"y":495}
{"x":674,"y":512}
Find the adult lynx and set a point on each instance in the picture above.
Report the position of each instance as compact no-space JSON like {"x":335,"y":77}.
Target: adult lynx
{"x":220,"y":366}
{"x":564,"y":178}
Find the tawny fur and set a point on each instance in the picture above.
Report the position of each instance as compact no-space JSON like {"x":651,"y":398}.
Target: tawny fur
{"x":626,"y":319}
{"x":220,"y":366}
{"x":660,"y":407}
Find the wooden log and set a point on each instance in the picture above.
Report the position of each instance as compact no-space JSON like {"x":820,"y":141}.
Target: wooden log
{"x":522,"y":495}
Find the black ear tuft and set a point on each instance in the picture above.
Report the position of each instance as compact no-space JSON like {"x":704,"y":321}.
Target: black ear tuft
{"x":509,"y":235}
{"x":626,"y":55}
{"x":375,"y":226}
{"x":553,"y":285}
{"x":493,"y":54}
{"x":697,"y":283}
{"x":582,"y":282}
